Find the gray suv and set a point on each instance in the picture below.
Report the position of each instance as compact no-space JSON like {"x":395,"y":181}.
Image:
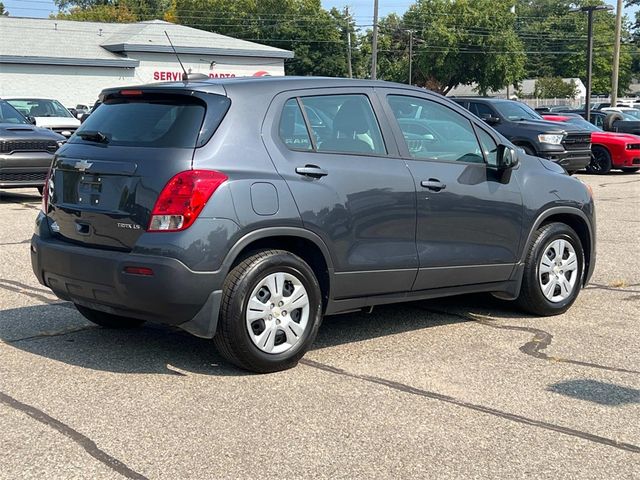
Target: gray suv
{"x":244,"y":210}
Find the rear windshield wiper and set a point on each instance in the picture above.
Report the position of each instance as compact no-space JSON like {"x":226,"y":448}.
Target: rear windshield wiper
{"x":93,"y":136}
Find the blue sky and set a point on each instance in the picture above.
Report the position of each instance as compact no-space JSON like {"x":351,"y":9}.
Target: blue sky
{"x":362,"y":10}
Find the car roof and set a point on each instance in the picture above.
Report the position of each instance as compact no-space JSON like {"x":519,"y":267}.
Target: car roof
{"x":483,"y":99}
{"x":265,"y":84}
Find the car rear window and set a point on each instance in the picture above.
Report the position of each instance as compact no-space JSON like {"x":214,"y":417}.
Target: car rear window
{"x":173,"y":122}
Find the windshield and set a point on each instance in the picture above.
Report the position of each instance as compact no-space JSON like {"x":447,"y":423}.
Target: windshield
{"x":582,"y":123}
{"x":632,"y":113}
{"x":8,"y":114}
{"x":38,"y":107}
{"x":516,"y":111}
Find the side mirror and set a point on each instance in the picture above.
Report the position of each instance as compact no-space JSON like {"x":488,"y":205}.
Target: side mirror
{"x":491,"y":120}
{"x":83,"y":117}
{"x":507,"y":157}
{"x":31,"y":120}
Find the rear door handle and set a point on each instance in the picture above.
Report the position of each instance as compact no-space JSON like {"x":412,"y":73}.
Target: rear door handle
{"x":312,"y":171}
{"x":433,"y":184}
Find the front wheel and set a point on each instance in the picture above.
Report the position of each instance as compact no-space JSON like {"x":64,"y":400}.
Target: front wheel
{"x":600,"y":161}
{"x":108,"y":320}
{"x":553,"y":271}
{"x":271,"y":311}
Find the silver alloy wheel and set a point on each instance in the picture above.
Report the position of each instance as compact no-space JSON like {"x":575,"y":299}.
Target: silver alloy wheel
{"x":558,"y":270}
{"x":277,"y":313}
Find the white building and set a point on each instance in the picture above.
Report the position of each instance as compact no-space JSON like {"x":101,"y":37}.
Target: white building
{"x":73,"y":61}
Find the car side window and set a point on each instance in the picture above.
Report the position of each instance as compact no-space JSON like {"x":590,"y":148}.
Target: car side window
{"x":489,"y":147}
{"x":597,"y":120}
{"x":344,"y":124}
{"x":293,"y":130}
{"x":480,"y":109}
{"x":433,"y":131}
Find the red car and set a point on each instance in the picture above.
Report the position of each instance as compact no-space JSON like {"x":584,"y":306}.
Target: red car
{"x":608,"y":149}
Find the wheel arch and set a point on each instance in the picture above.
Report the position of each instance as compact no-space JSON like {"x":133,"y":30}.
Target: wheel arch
{"x":301,"y":242}
{"x":579,"y":222}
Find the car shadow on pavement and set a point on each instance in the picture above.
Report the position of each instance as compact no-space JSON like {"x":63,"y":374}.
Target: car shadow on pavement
{"x":26,"y":196}
{"x":57,"y":331}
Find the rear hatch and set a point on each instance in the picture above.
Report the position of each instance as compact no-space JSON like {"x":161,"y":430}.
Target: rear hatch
{"x":105,"y":181}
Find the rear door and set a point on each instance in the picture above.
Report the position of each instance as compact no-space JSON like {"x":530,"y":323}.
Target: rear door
{"x":469,"y":222}
{"x":106,"y":179}
{"x":341,"y":163}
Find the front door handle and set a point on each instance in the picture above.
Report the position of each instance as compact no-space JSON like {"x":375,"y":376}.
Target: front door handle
{"x":433,"y":184}
{"x":312,"y":171}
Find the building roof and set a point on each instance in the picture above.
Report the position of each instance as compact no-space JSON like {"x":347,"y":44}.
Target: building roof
{"x":65,"y":42}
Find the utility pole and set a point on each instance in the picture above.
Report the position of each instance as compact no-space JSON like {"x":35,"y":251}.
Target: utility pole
{"x":410,"y":55}
{"x":616,"y":56}
{"x":589,"y":10}
{"x":346,"y":10}
{"x":374,"y":42}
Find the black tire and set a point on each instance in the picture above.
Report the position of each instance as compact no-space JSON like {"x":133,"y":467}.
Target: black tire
{"x":531,"y":298}
{"x":528,"y":150}
{"x":609,"y":120}
{"x":232,"y":338}
{"x":41,"y":190}
{"x":108,"y":320}
{"x":630,"y":169}
{"x":600,"y":161}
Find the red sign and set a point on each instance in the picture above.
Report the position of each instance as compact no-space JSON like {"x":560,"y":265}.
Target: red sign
{"x":175,"y":76}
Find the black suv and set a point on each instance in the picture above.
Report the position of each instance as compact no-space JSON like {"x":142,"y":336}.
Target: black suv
{"x":244,"y":210}
{"x":567,"y":145}
{"x":26,"y":151}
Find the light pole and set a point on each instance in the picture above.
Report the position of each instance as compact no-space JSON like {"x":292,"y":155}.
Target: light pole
{"x":589,"y":10}
{"x":374,"y":43}
{"x":616,"y":56}
{"x":410,"y":54}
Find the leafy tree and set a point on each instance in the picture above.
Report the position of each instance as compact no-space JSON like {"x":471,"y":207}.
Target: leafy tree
{"x":2,"y":10}
{"x":111,"y":10}
{"x":555,"y":87}
{"x":455,"y":42}
{"x":557,"y":39}
{"x":317,"y":36}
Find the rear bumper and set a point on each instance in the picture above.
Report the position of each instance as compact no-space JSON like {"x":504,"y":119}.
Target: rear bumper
{"x":95,"y":278}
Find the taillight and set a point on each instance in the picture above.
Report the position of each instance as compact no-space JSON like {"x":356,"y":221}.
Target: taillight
{"x":45,"y":192}
{"x":183,"y":198}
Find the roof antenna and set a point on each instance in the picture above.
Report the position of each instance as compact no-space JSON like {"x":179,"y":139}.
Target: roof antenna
{"x":185,"y":75}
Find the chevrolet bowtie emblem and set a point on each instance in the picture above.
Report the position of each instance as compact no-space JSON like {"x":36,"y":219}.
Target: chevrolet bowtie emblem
{"x":83,"y":165}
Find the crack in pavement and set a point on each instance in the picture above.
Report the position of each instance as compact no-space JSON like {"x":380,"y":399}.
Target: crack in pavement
{"x":51,"y":334}
{"x":15,"y":243}
{"x":597,"y":286}
{"x":618,"y":183}
{"x":83,"y":441}
{"x":534,"y":347}
{"x":473,"y":406}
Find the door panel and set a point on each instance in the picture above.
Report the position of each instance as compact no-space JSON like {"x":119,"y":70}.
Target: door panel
{"x":469,"y":216}
{"x":361,"y":203}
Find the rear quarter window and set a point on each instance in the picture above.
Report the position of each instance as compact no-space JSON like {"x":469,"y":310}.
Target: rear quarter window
{"x":148,"y":122}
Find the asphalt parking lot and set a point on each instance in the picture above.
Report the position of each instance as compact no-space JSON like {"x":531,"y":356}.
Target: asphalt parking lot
{"x":460,"y":388}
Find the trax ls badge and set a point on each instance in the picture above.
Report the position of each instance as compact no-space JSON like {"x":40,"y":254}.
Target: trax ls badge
{"x":130,"y":226}
{"x":83,"y":165}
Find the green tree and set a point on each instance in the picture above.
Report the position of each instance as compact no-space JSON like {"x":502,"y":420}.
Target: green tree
{"x":555,"y":87}
{"x":111,"y":10}
{"x":556,"y":40}
{"x":317,"y":36}
{"x":2,"y":10}
{"x":455,"y":43}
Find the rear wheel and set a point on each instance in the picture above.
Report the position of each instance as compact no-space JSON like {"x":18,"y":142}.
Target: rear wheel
{"x":271,"y":311}
{"x":553,"y":271}
{"x":600,"y":161}
{"x":108,"y":320}
{"x":630,"y":169}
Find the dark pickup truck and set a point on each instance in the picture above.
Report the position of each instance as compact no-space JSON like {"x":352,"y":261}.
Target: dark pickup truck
{"x":26,"y":151}
{"x":566,"y":145}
